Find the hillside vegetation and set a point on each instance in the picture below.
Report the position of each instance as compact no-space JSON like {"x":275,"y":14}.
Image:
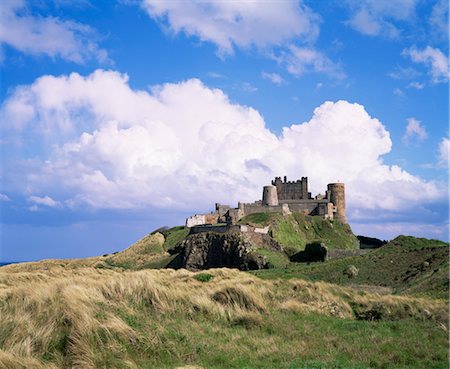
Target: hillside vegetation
{"x":150,"y":252}
{"x":90,"y":317}
{"x":112,"y":311}
{"x":294,"y":231}
{"x":406,"y":265}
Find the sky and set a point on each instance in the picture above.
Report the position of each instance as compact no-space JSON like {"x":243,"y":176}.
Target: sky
{"x":119,"y":117}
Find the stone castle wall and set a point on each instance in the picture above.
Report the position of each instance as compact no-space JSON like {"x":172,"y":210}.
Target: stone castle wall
{"x":258,"y":208}
{"x":290,"y":190}
{"x":228,"y":228}
{"x":307,"y":207}
{"x":200,"y":219}
{"x":281,"y":197}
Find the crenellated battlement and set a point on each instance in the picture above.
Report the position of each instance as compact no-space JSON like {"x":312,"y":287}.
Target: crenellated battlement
{"x":292,"y":190}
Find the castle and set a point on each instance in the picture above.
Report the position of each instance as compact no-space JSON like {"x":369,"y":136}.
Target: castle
{"x":282,"y":196}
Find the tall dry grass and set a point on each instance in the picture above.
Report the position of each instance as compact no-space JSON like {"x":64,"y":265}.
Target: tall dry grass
{"x":75,"y":317}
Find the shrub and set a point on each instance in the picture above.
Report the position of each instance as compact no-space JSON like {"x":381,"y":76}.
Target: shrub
{"x":351,"y":271}
{"x":203,"y":277}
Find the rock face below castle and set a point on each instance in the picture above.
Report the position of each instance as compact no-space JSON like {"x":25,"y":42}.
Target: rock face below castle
{"x":215,"y":250}
{"x":283,"y":197}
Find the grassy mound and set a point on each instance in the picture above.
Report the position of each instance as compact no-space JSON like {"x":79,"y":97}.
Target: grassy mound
{"x":174,"y":236}
{"x":103,"y":318}
{"x":406,"y":265}
{"x":147,"y":253}
{"x":260,"y":219}
{"x":150,"y":252}
{"x":296,"y":230}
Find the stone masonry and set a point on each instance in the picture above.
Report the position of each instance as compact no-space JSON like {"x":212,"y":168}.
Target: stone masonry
{"x":282,"y":196}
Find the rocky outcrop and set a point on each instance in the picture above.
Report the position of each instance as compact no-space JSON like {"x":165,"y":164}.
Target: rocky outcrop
{"x":214,"y":250}
{"x":314,"y":251}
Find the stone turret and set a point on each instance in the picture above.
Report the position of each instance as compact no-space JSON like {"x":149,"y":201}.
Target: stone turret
{"x":337,"y":197}
{"x":270,"y":196}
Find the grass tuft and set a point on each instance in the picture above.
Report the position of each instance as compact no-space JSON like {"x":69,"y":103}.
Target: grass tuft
{"x":239,"y":296}
{"x":203,"y":277}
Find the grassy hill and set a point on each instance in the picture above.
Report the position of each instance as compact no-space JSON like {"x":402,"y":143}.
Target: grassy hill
{"x":88,"y":317}
{"x":294,"y":231}
{"x":112,"y":311}
{"x":150,"y":252}
{"x":406,"y":265}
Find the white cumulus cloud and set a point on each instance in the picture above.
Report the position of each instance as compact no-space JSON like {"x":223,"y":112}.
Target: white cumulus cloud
{"x":443,"y":152}
{"x":284,"y":30}
{"x":433,"y":58}
{"x":380,"y":17}
{"x":236,"y":23}
{"x":414,"y":131}
{"x":185,"y":146}
{"x":38,"y":35}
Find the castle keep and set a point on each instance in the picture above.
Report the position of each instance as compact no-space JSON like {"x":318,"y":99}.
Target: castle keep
{"x":282,"y":196}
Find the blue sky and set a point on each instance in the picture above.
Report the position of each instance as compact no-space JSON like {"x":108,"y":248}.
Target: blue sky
{"x":118,"y":117}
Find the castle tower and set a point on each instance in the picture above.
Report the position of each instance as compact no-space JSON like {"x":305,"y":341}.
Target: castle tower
{"x":337,"y":197}
{"x":270,"y":196}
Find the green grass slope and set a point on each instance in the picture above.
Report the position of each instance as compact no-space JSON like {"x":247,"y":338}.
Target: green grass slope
{"x":406,"y":265}
{"x":174,"y":236}
{"x":150,"y":252}
{"x":296,"y":230}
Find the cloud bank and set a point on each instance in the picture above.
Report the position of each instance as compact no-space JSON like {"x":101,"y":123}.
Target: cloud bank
{"x":36,"y":35}
{"x":230,"y":24}
{"x":185,"y":146}
{"x":284,"y":30}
